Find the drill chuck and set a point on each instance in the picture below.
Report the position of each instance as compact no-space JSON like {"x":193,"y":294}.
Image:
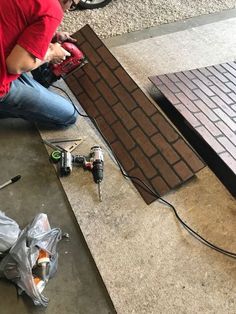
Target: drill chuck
{"x":97,"y":171}
{"x":97,"y":161}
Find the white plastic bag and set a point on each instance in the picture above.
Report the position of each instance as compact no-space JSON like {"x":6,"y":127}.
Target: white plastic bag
{"x":18,"y":264}
{"x":9,"y":232}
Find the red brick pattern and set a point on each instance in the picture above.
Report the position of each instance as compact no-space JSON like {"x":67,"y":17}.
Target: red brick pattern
{"x":145,"y":143}
{"x":206,"y":99}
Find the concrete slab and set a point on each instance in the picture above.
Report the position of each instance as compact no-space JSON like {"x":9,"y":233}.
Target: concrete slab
{"x":77,"y":286}
{"x":147,"y":261}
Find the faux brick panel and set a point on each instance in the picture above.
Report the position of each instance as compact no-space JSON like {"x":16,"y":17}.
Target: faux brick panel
{"x":144,"y":142}
{"x":140,"y":136}
{"x":166,"y":171}
{"x":144,"y":102}
{"x":165,"y":148}
{"x":124,"y":116}
{"x":162,"y":186}
{"x":91,"y":72}
{"x":123,"y":76}
{"x":90,"y":53}
{"x":107,"y":131}
{"x":108,"y":57}
{"x":123,"y":135}
{"x":124,"y":97}
{"x":165,"y":128}
{"x":120,"y":151}
{"x":206,"y":114}
{"x":183,"y":170}
{"x":142,"y":119}
{"x":108,"y":75}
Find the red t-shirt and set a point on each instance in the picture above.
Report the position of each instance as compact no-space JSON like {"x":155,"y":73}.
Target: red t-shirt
{"x":30,"y":24}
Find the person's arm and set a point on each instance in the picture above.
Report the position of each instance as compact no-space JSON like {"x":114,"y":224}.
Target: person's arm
{"x":20,"y":60}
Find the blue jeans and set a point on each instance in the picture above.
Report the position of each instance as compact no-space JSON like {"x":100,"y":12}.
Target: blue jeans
{"x":29,"y":100}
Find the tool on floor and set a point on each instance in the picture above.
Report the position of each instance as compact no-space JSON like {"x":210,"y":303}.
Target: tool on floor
{"x":50,"y":73}
{"x":54,"y":143}
{"x":94,"y":162}
{"x":12,"y":180}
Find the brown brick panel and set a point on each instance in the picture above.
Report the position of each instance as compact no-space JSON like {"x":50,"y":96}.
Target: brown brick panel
{"x":144,"y":142}
{"x":80,"y":72}
{"x":142,"y":119}
{"x":188,"y":155}
{"x":72,"y":82}
{"x":207,"y":103}
{"x":124,"y":116}
{"x":88,"y":105}
{"x":91,"y":37}
{"x":108,"y":57}
{"x":125,"y":97}
{"x":106,"y":130}
{"x":162,"y":186}
{"x":124,"y":77}
{"x":89,"y":87}
{"x":165,"y":148}
{"x":105,"y":111}
{"x":144,"y":102}
{"x":123,"y":135}
{"x":183,"y":170}
{"x":90,"y":53}
{"x":166,"y":171}
{"x":140,"y":136}
{"x":147,"y":168}
{"x":165,"y":128}
{"x":108,"y":75}
{"x":121,"y":153}
{"x":107,"y":93}
{"x":79,"y":37}
{"x":91,"y":72}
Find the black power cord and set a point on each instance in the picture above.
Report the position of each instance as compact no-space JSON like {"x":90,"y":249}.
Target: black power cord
{"x":150,"y":190}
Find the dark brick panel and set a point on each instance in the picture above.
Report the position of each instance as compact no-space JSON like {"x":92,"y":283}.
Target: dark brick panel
{"x":207,"y":103}
{"x":140,"y":136}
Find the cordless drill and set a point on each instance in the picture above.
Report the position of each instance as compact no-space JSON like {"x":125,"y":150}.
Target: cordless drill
{"x":94,"y":162}
{"x":49,"y":73}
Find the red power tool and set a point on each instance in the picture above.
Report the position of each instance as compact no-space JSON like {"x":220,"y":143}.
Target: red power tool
{"x":76,"y":59}
{"x":49,"y":73}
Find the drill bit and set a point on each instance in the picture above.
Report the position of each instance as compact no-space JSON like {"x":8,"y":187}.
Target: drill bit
{"x":99,"y":192}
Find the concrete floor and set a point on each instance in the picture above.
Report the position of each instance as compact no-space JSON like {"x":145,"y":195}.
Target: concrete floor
{"x":147,"y":262}
{"x":77,"y":286}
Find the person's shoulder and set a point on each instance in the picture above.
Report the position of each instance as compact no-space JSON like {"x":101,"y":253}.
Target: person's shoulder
{"x":48,"y":7}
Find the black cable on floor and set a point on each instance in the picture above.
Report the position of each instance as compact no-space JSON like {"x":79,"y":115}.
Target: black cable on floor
{"x":150,"y":190}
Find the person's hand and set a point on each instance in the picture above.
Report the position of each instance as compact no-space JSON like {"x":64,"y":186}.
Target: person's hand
{"x":56,"y":54}
{"x":61,"y":37}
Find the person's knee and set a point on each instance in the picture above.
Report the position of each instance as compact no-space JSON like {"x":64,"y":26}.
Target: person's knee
{"x":71,"y":120}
